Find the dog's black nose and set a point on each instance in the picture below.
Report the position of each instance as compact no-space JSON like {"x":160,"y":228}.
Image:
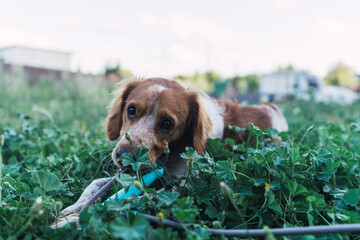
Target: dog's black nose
{"x":121,"y":150}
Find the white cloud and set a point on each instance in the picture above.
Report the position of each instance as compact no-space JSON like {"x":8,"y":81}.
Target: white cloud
{"x":180,"y":52}
{"x":285,"y":3}
{"x":194,"y":29}
{"x":13,"y":35}
{"x":108,"y":27}
{"x":155,"y":52}
{"x":149,"y":20}
{"x":68,"y":19}
{"x":326,"y":29}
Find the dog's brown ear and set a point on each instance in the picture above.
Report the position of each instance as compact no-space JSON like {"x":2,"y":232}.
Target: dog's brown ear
{"x":116,"y":108}
{"x":198,"y":123}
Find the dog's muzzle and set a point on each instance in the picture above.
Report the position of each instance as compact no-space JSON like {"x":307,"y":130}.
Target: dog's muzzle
{"x":121,"y":150}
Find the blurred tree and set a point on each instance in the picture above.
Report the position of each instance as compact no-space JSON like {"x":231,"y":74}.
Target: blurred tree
{"x":239,"y":83}
{"x":246,"y":84}
{"x":288,"y":68}
{"x":252,"y":81}
{"x":341,"y":75}
{"x":204,"y":81}
{"x":117,"y":70}
{"x":180,"y":77}
{"x":212,"y":77}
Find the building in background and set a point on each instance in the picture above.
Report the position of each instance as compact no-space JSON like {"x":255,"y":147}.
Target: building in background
{"x":281,"y":85}
{"x":36,"y":58}
{"x":34,"y":63}
{"x":284,"y":85}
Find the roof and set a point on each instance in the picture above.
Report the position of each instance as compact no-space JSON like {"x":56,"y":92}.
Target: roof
{"x":35,"y":48}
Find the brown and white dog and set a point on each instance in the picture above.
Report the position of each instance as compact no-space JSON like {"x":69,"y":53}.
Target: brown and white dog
{"x":156,"y":110}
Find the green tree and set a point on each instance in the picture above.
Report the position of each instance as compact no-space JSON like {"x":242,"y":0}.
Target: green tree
{"x":116,"y":69}
{"x":204,"y":81}
{"x":341,"y":75}
{"x":246,"y":84}
{"x":212,"y":77}
{"x":252,"y":81}
{"x":288,"y":68}
{"x":239,"y":83}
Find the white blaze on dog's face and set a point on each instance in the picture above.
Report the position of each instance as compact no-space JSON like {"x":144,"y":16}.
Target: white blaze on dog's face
{"x":152,"y":111}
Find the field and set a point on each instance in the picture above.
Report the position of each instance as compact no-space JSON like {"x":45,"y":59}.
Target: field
{"x":54,"y":145}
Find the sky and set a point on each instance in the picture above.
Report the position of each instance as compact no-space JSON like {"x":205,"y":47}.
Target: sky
{"x":166,"y":38}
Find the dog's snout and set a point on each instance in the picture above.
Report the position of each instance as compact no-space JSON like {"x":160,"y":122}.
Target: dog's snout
{"x":121,"y":150}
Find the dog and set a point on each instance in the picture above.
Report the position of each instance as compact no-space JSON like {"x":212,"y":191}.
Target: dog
{"x":157,"y":110}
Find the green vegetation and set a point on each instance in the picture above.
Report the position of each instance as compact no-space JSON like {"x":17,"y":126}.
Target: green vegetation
{"x":116,"y":69}
{"x":342,"y":75}
{"x":207,"y":82}
{"x":54,"y":146}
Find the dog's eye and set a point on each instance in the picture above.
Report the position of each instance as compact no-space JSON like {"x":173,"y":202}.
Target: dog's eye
{"x":131,"y":112}
{"x":166,"y":125}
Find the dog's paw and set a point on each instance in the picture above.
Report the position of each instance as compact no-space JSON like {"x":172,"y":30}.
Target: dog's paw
{"x":71,"y":213}
{"x":60,"y":222}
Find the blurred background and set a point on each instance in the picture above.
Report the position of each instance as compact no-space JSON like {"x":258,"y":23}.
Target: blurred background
{"x":60,"y":60}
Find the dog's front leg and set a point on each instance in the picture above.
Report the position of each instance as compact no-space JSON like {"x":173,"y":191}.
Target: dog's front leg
{"x":71,"y":213}
{"x":89,"y":191}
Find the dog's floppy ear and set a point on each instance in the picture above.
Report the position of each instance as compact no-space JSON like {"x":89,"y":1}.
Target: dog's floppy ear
{"x":116,"y":108}
{"x":199,"y":124}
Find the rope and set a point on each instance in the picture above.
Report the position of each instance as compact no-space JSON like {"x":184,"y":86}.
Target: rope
{"x":327,"y":229}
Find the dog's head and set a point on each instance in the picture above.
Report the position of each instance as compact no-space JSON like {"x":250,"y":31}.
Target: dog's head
{"x":153,"y":111}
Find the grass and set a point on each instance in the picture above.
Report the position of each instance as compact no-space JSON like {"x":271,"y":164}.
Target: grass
{"x":54,"y":146}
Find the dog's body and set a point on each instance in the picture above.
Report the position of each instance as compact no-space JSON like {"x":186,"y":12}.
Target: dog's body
{"x":156,"y":110}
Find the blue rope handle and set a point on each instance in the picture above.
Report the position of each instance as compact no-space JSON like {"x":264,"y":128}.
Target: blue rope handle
{"x":148,"y":179}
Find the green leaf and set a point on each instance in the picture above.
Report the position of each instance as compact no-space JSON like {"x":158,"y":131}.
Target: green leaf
{"x":90,"y":219}
{"x":236,"y":129}
{"x":185,"y":210}
{"x":230,"y":141}
{"x":239,"y":148}
{"x":126,"y":159}
{"x":330,"y":168}
{"x":185,"y":215}
{"x":163,"y":234}
{"x":118,"y":205}
{"x":132,"y":228}
{"x":332,"y":165}
{"x":273,"y":204}
{"x":10,"y":168}
{"x":167,"y":198}
{"x":47,"y":181}
{"x":352,"y":197}
{"x":223,"y":169}
{"x":126,"y":180}
{"x":295,"y":155}
{"x":323,"y":155}
{"x":216,"y":149}
{"x":198,"y":234}
{"x":202,"y":163}
{"x":141,"y":158}
{"x":295,"y":188}
{"x":212,"y":212}
{"x":316,"y":201}
{"x":254,"y":130}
